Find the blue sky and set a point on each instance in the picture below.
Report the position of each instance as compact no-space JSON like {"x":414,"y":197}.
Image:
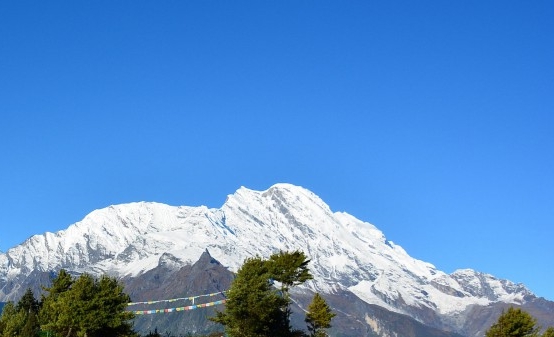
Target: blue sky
{"x":433,"y":120}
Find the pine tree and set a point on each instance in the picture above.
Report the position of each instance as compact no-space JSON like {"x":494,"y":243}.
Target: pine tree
{"x":254,"y":307}
{"x":30,"y":306}
{"x":86,"y":307}
{"x":49,"y":303}
{"x":514,"y":323}
{"x":61,"y":283}
{"x":28,"y":302}
{"x":111,"y":302}
{"x":289,"y":268}
{"x":31,"y":327}
{"x":12,"y":320}
{"x":548,"y":332}
{"x":319,"y":316}
{"x":20,"y":319}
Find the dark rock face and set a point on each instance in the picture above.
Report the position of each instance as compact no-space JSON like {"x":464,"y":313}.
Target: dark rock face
{"x":354,"y":317}
{"x":358,"y":318}
{"x":410,"y":297}
{"x":206,"y":276}
{"x":35,"y":281}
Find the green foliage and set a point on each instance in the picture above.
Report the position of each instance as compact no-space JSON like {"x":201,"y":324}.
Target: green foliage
{"x":86,"y":307}
{"x":28,"y":302}
{"x":50,"y":303}
{"x":61,"y":283}
{"x":289,"y":268}
{"x":548,"y":332}
{"x":11,"y":321}
{"x":31,"y":327}
{"x":514,"y":323}
{"x":254,"y":307}
{"x":319,"y":316}
{"x":20,"y":319}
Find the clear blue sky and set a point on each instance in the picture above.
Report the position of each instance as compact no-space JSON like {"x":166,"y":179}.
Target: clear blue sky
{"x":433,"y":120}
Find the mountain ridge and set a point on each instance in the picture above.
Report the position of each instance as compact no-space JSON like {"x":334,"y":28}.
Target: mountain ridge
{"x":347,"y":254}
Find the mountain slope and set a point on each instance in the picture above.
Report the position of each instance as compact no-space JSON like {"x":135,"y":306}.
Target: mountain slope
{"x":208,"y":276}
{"x":347,"y":254}
{"x":205,"y":276}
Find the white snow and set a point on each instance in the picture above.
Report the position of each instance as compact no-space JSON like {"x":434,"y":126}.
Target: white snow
{"x":345,"y":253}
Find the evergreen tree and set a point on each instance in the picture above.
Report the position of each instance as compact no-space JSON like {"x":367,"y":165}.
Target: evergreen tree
{"x":30,"y":306}
{"x":49,"y":303}
{"x":86,"y":307}
{"x":111,"y":300}
{"x":254,"y":307}
{"x":32,"y":326}
{"x":61,"y":283}
{"x":549,"y":332}
{"x":319,"y":316}
{"x":28,"y":302}
{"x":289,"y":268}
{"x":514,"y":323}
{"x":20,"y":319}
{"x":11,"y":321}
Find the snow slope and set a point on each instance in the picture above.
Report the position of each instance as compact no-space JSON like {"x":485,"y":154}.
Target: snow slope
{"x":346,"y":253}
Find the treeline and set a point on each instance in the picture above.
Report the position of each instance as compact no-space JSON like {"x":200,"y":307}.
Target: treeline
{"x":258,"y":305}
{"x":71,"y":307}
{"x":75,"y":307}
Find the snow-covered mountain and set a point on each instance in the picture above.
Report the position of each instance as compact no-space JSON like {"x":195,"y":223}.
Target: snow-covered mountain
{"x":347,"y":254}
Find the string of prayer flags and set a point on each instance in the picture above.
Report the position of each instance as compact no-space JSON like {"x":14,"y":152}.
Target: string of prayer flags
{"x":167,"y":310}
{"x":190,"y":298}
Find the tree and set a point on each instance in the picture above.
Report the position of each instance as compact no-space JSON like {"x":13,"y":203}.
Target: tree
{"x":61,"y":283}
{"x":49,"y":303}
{"x":11,"y":321}
{"x":28,"y":302}
{"x":548,"y":332}
{"x":319,"y":316}
{"x":111,"y":300}
{"x":289,"y":268}
{"x":254,"y":307}
{"x":514,"y":323}
{"x":20,"y":319}
{"x":86,"y":307}
{"x":31,"y":327}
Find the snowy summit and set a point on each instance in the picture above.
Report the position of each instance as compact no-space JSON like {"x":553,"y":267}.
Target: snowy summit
{"x":346,"y":254}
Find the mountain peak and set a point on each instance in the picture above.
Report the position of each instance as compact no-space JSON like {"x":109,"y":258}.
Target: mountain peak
{"x":346,"y":254}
